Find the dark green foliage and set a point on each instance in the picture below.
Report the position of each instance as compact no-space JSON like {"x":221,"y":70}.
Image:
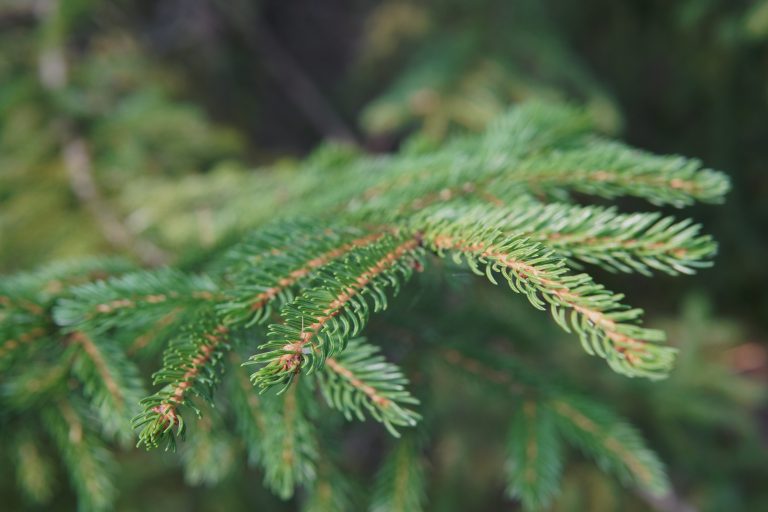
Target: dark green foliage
{"x":535,"y":456}
{"x":614,"y":445}
{"x":401,"y":480}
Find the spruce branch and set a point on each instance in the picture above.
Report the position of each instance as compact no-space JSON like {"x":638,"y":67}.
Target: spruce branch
{"x":133,"y":301}
{"x":605,"y":326}
{"x":637,"y":242}
{"x":535,"y":457}
{"x":291,"y":445}
{"x":615,"y":445}
{"x":110,"y":380}
{"x":320,"y":321}
{"x":249,"y":410}
{"x":400,"y":483}
{"x":270,"y":284}
{"x":610,"y":169}
{"x":189,"y":367}
{"x":361,"y":379}
{"x":88,"y":462}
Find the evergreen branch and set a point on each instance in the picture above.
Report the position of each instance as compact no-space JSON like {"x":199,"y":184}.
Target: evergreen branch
{"x":331,"y":490}
{"x":133,"y":301}
{"x":87,"y":460}
{"x":110,"y":380}
{"x":615,"y":445}
{"x":638,"y":242}
{"x":605,"y":327}
{"x":33,"y":290}
{"x":274,"y":239}
{"x":11,"y":345}
{"x":610,"y":169}
{"x":79,"y":167}
{"x":270,"y":285}
{"x":32,"y":386}
{"x":400,"y":483}
{"x":34,"y":471}
{"x":320,"y":321}
{"x":248,"y":409}
{"x":535,"y":456}
{"x":209,"y":456}
{"x":360,"y":378}
{"x":290,"y":447}
{"x":188,"y":367}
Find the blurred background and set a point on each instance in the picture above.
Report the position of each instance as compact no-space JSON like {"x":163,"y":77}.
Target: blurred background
{"x":147,"y":128}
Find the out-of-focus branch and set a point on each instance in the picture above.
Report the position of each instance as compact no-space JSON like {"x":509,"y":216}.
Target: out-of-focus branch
{"x":77,"y":161}
{"x":284,"y":68}
{"x":671,"y":502}
{"x":52,"y":71}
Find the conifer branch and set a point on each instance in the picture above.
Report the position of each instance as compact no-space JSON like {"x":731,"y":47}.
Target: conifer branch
{"x":133,"y":301}
{"x":360,"y":378}
{"x":400,"y":483}
{"x":263,"y":290}
{"x":249,"y":410}
{"x":605,"y":327}
{"x":535,"y":458}
{"x":319,"y":322}
{"x":610,"y":169}
{"x":598,"y":432}
{"x":87,"y":460}
{"x":638,"y":242}
{"x":188,"y":367}
{"x":291,"y":446}
{"x":110,"y":380}
{"x":616,"y":446}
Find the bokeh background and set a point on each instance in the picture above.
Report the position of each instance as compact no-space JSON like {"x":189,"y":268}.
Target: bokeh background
{"x":147,"y":128}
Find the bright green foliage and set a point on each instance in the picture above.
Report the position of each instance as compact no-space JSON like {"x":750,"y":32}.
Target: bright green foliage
{"x":278,"y":260}
{"x":609,"y":169}
{"x":294,"y":294}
